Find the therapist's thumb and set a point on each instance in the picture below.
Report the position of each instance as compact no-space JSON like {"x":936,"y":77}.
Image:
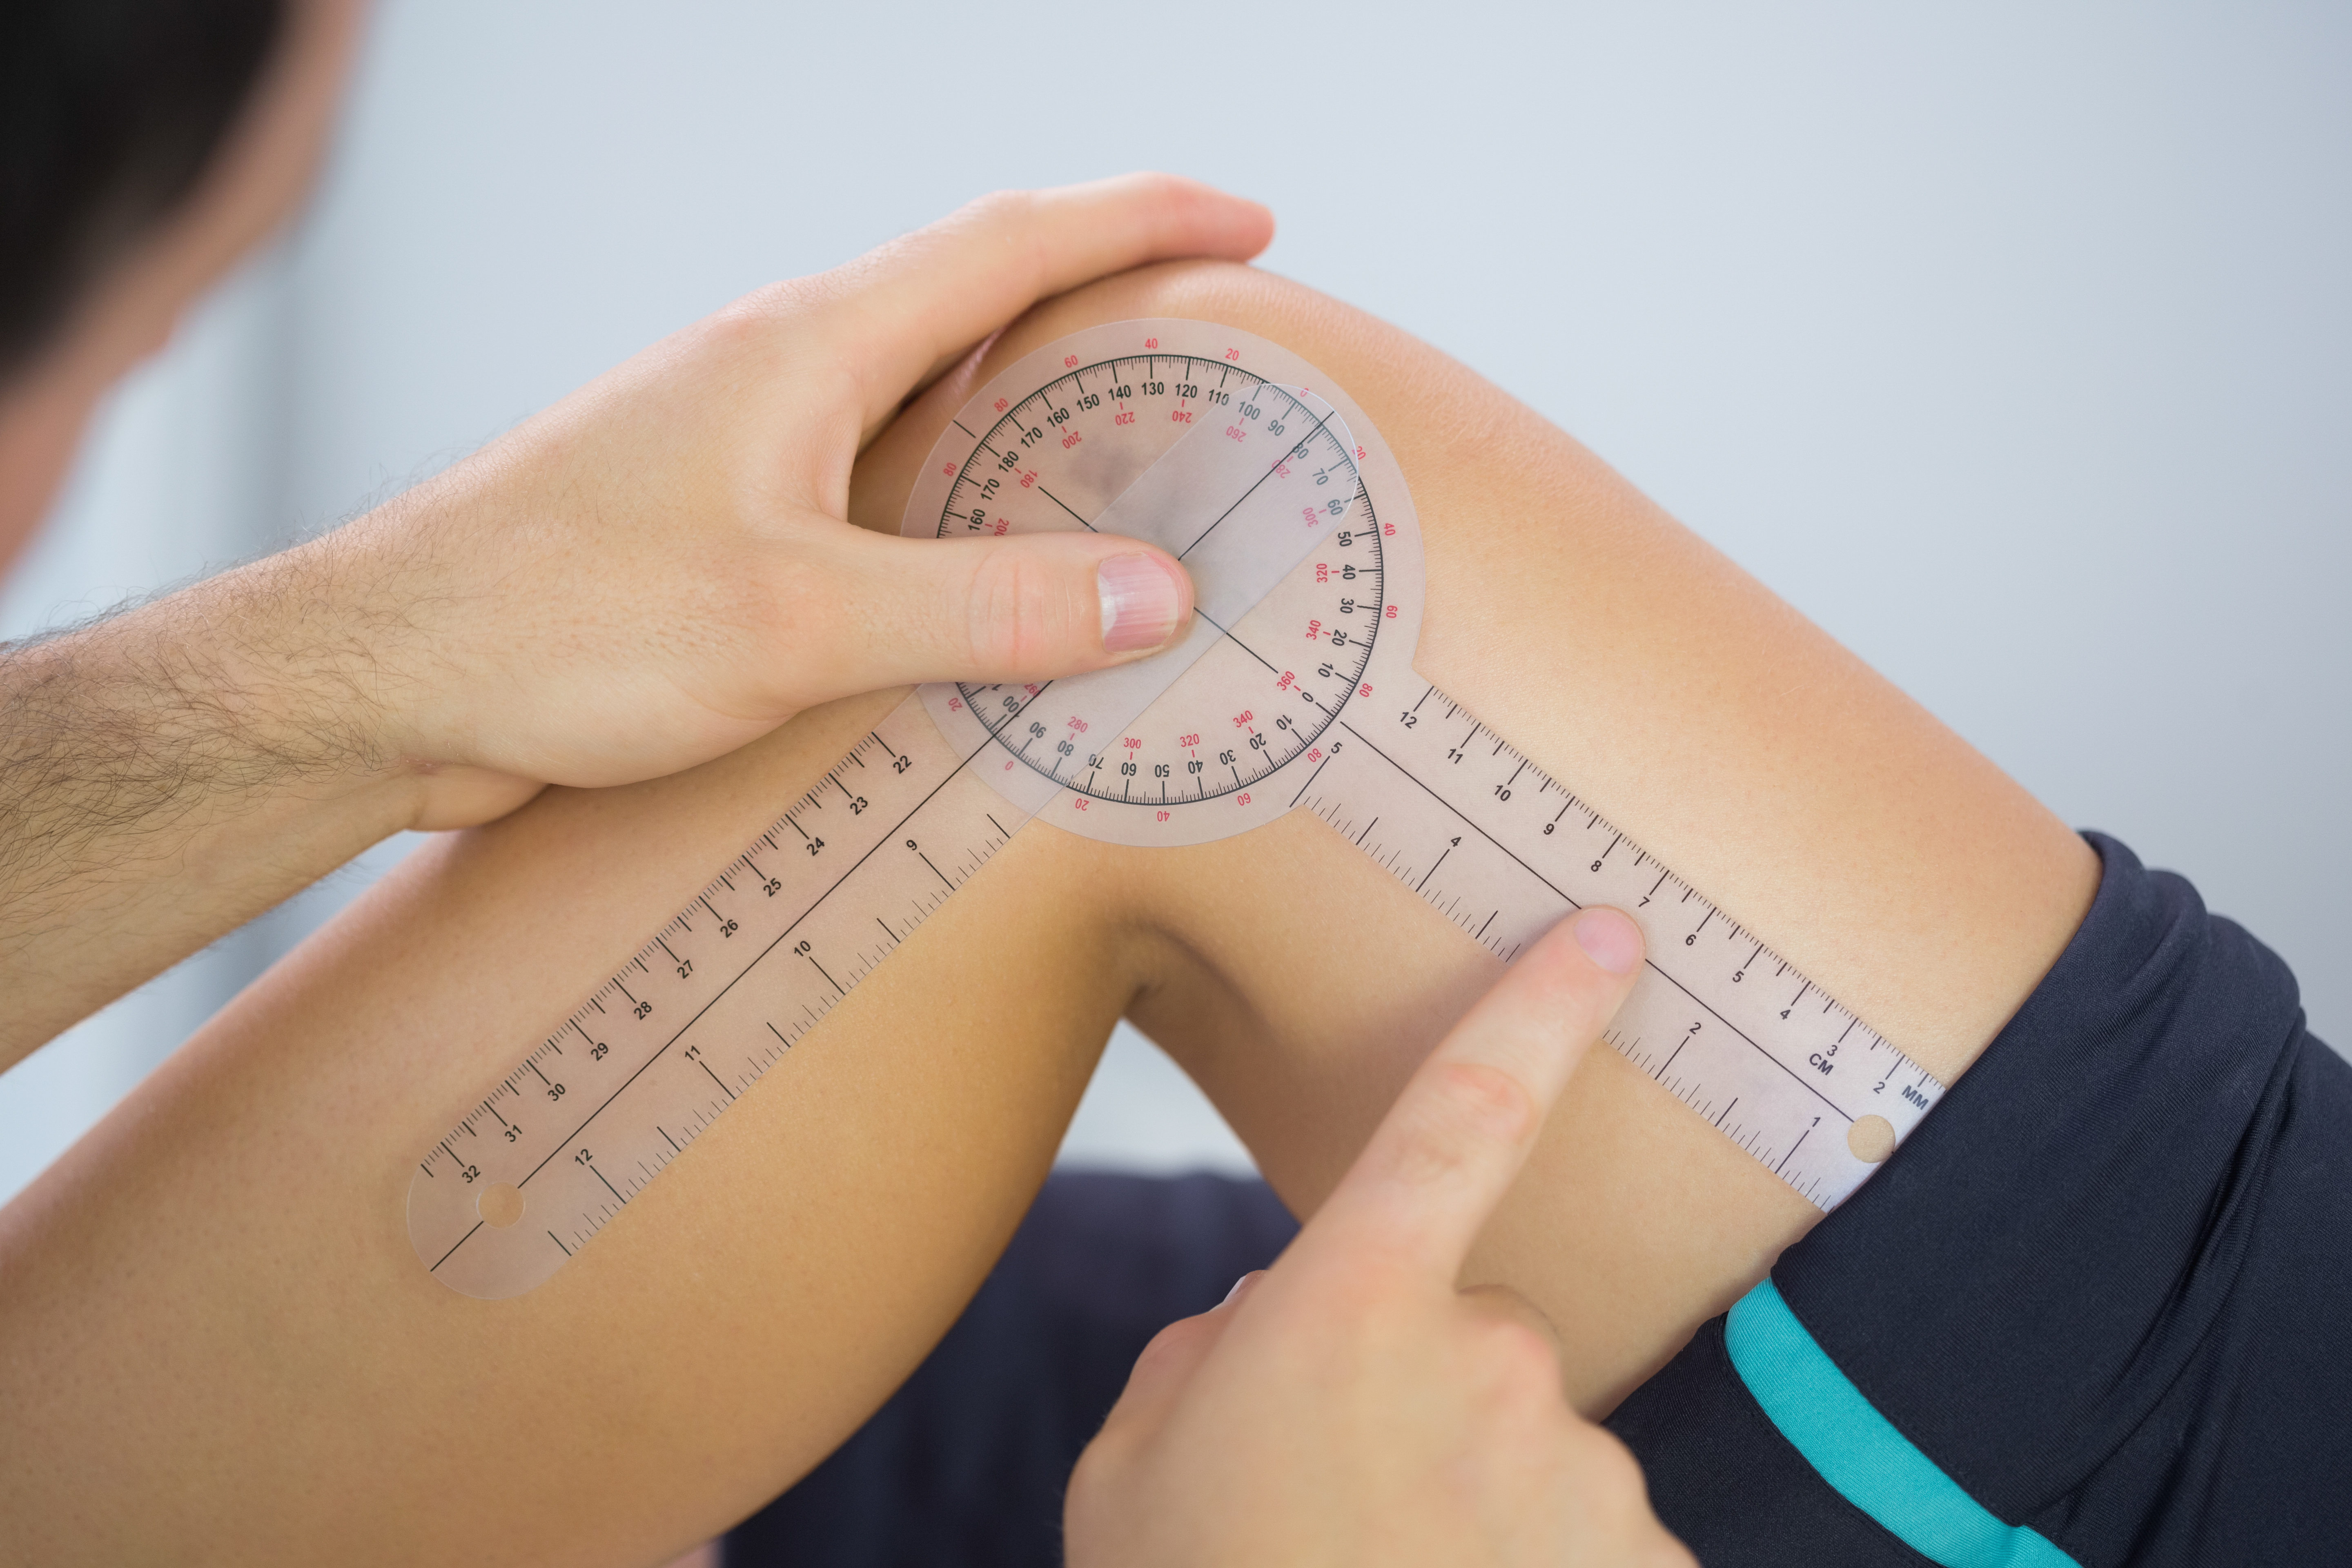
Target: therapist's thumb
{"x":1025,"y":608}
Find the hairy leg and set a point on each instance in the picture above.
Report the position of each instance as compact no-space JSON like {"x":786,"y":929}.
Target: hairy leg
{"x":1819,"y":805}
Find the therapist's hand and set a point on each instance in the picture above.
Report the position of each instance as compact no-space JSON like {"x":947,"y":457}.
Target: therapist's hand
{"x":1350,"y":1405}
{"x":658,"y":569}
{"x":649,"y":575}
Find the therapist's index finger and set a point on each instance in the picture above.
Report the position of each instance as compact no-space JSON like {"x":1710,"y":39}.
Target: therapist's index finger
{"x":918,"y":303}
{"x":1453,"y":1142}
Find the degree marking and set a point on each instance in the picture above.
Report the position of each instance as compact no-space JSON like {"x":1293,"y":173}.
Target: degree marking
{"x":1572,"y":904}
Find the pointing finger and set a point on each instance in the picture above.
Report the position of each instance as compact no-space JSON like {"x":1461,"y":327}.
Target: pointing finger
{"x":1453,"y":1143}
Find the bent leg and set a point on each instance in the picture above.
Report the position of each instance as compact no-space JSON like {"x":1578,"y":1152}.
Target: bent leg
{"x":1808,"y":797}
{"x":215,"y":1341}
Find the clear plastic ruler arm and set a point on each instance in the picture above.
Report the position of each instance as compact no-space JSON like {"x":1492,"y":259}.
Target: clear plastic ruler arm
{"x":554,"y":1150}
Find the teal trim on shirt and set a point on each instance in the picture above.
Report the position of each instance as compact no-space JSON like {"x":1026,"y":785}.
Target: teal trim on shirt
{"x":1859,"y":1452}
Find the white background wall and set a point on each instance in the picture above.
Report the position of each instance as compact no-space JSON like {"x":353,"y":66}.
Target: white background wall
{"x":2010,"y":342}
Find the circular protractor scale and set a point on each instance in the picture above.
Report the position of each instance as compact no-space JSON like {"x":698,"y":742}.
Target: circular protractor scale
{"x":1053,"y":438}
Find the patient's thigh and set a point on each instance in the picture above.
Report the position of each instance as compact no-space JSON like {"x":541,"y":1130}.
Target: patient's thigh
{"x":217,"y":1343}
{"x":1300,"y":983}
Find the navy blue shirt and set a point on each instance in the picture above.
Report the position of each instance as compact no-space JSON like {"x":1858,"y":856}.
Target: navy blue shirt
{"x":2106,"y":1287}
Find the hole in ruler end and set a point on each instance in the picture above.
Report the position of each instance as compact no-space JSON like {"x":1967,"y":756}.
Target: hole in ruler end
{"x":500,"y":1204}
{"x":1872,"y":1139}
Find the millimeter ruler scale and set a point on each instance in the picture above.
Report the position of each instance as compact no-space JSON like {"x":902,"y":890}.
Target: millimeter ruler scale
{"x":1281,"y":498}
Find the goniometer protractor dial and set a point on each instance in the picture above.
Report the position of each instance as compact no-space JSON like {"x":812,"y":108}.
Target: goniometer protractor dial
{"x":1193,"y":750}
{"x":1055,"y":438}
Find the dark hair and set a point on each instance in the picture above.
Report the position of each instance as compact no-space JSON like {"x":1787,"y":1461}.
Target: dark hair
{"x":110,"y":109}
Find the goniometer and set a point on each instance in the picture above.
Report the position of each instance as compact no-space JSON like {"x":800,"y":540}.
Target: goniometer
{"x":1051,"y":443}
{"x":1293,"y":690}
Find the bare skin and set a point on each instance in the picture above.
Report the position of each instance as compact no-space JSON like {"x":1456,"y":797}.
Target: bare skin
{"x":217,"y":1343}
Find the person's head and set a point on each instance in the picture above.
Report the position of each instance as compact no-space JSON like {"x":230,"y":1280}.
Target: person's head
{"x":144,"y":146}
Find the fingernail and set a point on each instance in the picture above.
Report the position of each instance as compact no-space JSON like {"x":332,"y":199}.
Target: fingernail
{"x":1609,"y":939}
{"x":1239,"y":1283}
{"x":1139,"y":600}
